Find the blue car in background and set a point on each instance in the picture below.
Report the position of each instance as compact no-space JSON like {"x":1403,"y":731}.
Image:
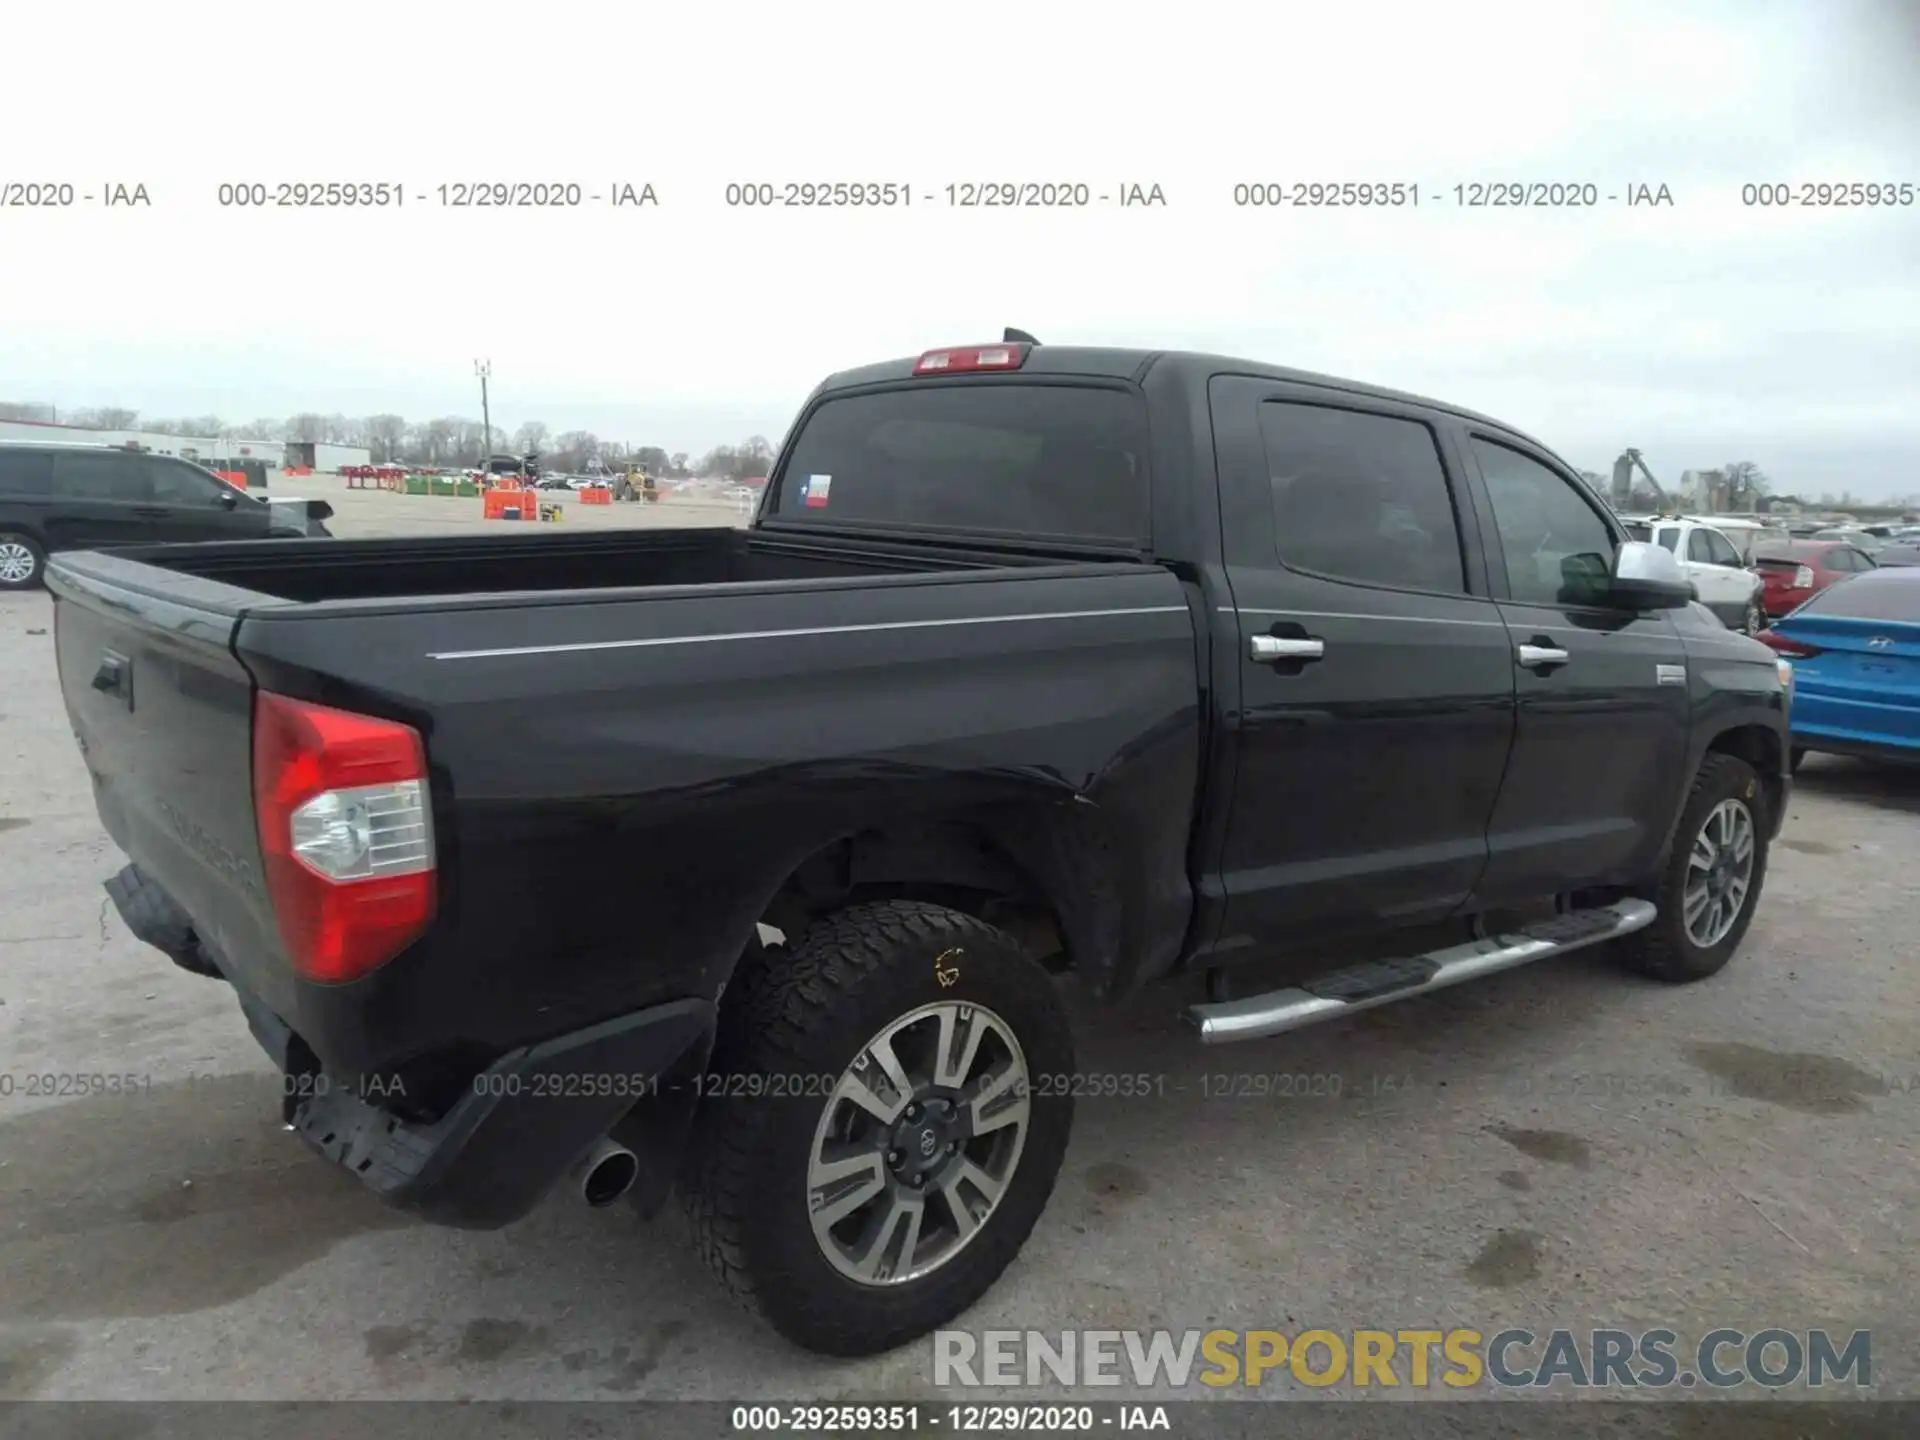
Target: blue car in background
{"x":1855,"y":650}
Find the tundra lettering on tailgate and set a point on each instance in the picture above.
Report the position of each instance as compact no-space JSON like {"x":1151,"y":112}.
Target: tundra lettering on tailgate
{"x":212,"y":851}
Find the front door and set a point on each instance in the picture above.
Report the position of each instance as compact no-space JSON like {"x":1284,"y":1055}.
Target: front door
{"x":191,"y":504}
{"x":1600,"y":753}
{"x":1375,"y":682}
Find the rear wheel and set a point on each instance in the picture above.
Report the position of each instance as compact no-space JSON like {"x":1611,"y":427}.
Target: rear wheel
{"x":22,"y":561}
{"x":1794,"y":757}
{"x":871,"y":1150}
{"x":1713,"y":876}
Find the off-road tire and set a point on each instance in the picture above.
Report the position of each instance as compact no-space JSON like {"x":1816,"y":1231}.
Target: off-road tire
{"x":1664,"y":951}
{"x":806,"y":1014}
{"x":35,"y":550}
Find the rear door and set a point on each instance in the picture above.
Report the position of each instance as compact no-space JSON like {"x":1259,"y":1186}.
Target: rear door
{"x":100,"y":498}
{"x":191,"y":504}
{"x":1376,"y":682}
{"x":1600,"y":750}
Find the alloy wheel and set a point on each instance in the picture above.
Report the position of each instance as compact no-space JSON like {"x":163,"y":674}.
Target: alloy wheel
{"x":918,"y":1143}
{"x":1719,"y":873}
{"x":17,"y":563}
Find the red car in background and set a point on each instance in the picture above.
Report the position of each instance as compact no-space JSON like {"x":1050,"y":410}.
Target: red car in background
{"x":1791,"y":571}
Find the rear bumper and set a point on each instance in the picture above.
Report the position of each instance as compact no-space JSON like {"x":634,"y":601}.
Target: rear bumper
{"x":1844,"y":724}
{"x":524,"y":1122}
{"x":1824,"y":742}
{"x":515,"y":1130}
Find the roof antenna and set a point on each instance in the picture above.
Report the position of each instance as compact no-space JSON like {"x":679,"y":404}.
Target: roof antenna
{"x":1017,"y":337}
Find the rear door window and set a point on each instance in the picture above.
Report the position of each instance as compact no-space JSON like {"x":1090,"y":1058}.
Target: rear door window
{"x":100,"y":475}
{"x":1025,"y":459}
{"x":1362,"y":497}
{"x":25,"y":473}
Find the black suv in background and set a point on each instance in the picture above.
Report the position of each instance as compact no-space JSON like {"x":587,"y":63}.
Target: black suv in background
{"x":95,"y":497}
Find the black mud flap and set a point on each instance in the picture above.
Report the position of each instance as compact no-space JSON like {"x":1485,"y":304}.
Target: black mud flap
{"x":153,"y":917}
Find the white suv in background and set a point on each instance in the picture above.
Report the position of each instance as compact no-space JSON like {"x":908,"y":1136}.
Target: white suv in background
{"x":1720,"y":570}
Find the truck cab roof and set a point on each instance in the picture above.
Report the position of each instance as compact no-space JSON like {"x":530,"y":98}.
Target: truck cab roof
{"x":1122,"y":363}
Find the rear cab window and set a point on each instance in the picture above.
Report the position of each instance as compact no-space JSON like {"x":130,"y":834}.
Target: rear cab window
{"x":994,"y":456}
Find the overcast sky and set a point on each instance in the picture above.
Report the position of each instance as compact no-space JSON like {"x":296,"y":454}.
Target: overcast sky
{"x":1704,"y":332}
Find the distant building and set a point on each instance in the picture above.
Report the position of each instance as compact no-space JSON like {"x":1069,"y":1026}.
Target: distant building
{"x":278,"y":454}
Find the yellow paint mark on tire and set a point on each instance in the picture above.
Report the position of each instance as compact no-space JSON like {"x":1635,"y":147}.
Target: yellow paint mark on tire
{"x":946,"y":968}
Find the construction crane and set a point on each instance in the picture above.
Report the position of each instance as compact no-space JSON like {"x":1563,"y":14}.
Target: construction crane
{"x":1623,"y":469}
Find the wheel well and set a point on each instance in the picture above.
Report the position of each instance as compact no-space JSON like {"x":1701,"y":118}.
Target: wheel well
{"x":964,"y":866}
{"x":1761,"y":748}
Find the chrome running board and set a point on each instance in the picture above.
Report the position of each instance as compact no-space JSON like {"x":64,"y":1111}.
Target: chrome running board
{"x":1377,"y":982}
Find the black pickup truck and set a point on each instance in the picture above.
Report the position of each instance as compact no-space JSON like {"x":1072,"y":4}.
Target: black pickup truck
{"x":746,"y":861}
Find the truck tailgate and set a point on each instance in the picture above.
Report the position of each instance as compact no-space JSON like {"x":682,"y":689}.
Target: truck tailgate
{"x":163,"y":713}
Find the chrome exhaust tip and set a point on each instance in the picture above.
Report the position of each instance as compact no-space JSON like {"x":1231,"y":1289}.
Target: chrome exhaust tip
{"x":605,"y":1173}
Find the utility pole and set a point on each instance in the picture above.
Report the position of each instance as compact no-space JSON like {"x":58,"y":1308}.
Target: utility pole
{"x":484,"y":369}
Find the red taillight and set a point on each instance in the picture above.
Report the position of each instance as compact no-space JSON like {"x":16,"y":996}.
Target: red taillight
{"x":1785,"y":646}
{"x":971,"y":357}
{"x":345,"y":832}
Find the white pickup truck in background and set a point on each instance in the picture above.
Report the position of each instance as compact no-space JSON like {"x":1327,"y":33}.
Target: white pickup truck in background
{"x":1718,"y":561}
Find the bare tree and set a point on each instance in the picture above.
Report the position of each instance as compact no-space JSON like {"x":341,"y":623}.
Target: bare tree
{"x":386,"y":436}
{"x":105,"y":417}
{"x":576,"y":448}
{"x":1745,"y":480}
{"x":451,"y":440}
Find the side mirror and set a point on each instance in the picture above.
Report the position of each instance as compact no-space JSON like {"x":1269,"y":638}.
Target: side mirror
{"x":319,"y":510}
{"x":228,"y":498}
{"x":1648,"y":577}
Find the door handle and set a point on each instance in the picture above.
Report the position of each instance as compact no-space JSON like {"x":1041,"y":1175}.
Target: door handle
{"x":115,"y":677}
{"x":1279,"y":647}
{"x":1542,"y":657}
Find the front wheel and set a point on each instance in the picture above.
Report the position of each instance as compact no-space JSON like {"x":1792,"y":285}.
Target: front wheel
{"x":1756,"y":617}
{"x":1712,"y":880}
{"x":878,"y":1131}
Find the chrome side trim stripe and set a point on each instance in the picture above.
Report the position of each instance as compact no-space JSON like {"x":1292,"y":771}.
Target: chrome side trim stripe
{"x":872,"y":627}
